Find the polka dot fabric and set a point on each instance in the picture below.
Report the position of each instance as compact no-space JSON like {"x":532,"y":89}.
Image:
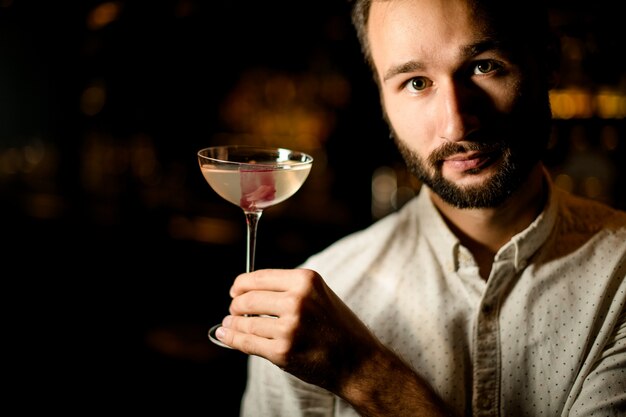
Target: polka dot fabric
{"x":545,"y":335}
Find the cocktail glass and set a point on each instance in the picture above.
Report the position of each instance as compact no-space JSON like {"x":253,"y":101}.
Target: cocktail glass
{"x":253,"y":178}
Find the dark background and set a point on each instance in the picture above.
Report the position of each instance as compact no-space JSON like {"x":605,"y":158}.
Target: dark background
{"x":117,"y":257}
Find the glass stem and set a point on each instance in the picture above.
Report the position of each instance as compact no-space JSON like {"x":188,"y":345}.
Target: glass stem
{"x":252,"y":220}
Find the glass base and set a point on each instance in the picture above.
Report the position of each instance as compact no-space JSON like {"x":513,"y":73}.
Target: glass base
{"x":214,"y":338}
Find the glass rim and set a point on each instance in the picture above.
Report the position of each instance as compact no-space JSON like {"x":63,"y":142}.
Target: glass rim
{"x":308,"y":159}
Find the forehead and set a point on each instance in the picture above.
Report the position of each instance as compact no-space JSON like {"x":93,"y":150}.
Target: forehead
{"x":420,"y":16}
{"x":518,"y":22}
{"x":408,"y":29}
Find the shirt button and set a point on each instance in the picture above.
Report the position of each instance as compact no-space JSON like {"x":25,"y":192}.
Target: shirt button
{"x":485,"y":404}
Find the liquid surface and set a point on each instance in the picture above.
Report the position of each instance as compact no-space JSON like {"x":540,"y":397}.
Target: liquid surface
{"x":256,"y":189}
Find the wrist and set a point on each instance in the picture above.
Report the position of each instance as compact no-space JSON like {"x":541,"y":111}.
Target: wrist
{"x":380,"y":383}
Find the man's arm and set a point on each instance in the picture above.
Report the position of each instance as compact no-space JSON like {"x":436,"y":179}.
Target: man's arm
{"x":293,"y":319}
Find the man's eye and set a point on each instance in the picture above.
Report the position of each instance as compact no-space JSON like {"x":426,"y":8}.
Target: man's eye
{"x":485,"y":67}
{"x":418,"y":84}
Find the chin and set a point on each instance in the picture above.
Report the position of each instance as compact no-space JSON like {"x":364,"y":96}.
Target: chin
{"x":487,"y":189}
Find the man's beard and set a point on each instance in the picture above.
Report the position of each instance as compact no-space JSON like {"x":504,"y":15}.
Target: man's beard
{"x":515,"y":166}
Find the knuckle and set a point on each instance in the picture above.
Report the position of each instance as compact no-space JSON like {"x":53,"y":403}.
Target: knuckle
{"x":293,"y":302}
{"x":246,"y":344}
{"x":283,"y":352}
{"x":242,"y":303}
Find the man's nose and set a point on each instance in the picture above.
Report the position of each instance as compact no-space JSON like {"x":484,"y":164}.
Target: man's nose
{"x":456,"y":118}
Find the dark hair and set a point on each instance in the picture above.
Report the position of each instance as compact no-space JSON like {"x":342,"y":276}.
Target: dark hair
{"x":360,"y":17}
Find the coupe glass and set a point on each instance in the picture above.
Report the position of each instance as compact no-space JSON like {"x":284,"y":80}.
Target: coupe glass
{"x":253,"y":178}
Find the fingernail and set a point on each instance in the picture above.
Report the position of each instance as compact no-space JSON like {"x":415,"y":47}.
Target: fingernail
{"x":227,"y":321}
{"x":220,"y":332}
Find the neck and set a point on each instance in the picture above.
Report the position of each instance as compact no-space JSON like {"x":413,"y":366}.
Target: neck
{"x":484,"y":231}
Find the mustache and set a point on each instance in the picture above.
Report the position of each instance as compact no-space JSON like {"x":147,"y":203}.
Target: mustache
{"x":452,"y":148}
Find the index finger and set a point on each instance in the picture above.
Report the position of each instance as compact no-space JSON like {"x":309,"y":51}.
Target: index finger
{"x":263,"y":279}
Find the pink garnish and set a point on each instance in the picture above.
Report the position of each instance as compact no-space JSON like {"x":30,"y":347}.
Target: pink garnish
{"x":256,"y":186}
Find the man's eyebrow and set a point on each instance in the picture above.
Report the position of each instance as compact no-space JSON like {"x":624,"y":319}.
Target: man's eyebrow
{"x":405,"y":67}
{"x":479,"y":47}
{"x":466,"y":52}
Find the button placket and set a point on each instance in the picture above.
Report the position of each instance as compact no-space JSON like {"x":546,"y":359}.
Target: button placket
{"x":486,"y":385}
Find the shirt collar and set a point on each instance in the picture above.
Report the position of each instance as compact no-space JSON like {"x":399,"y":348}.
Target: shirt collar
{"x":518,"y":250}
{"x":524,"y":244}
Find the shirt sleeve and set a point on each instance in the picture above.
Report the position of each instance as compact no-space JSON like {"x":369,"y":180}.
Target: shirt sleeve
{"x":272,"y":392}
{"x":603,"y":392}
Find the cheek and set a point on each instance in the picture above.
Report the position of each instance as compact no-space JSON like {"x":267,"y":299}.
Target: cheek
{"x":507,"y":97}
{"x":526,"y":111}
{"x":503,"y":99}
{"x":411,"y":124}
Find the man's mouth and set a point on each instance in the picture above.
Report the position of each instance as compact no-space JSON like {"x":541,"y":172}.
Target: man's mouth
{"x":469,"y":161}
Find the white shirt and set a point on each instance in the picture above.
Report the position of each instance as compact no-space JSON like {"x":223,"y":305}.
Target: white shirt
{"x":545,"y":335}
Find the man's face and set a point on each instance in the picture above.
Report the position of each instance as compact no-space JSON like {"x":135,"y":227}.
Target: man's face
{"x":470,"y":113}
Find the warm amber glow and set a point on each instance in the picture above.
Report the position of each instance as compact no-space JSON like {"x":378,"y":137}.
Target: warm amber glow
{"x":593,"y":187}
{"x":283,"y":109}
{"x":92,"y":99}
{"x":24,"y":160}
{"x":565,"y":182}
{"x":571,"y":103}
{"x":611,"y":105}
{"x":384,"y":186}
{"x":391,"y":188}
{"x":575,"y":103}
{"x":11,"y":161}
{"x":103,"y":14}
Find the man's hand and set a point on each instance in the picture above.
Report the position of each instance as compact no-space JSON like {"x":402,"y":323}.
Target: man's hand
{"x":293,"y":319}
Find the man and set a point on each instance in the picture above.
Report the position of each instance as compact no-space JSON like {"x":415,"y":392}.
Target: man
{"x":492,"y":292}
